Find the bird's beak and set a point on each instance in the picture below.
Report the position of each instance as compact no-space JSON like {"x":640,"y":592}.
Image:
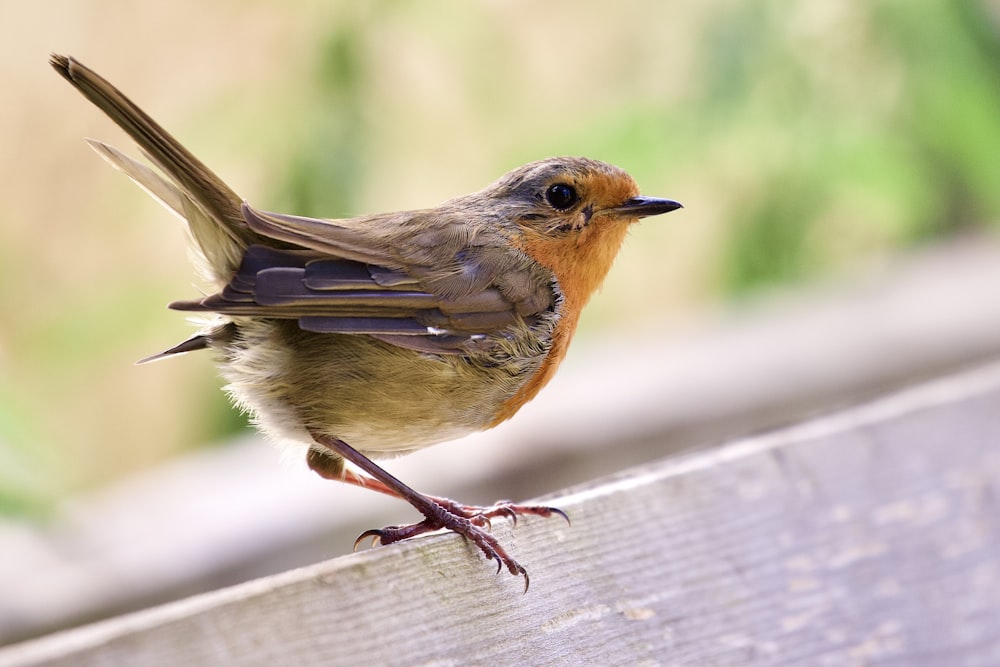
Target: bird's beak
{"x":640,"y":207}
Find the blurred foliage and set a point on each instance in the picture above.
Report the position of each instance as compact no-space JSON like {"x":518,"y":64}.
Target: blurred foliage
{"x":891,"y":142}
{"x":326,"y":169}
{"x":802,"y":137}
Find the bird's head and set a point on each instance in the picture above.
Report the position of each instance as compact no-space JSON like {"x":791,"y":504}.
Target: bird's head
{"x":571,"y":214}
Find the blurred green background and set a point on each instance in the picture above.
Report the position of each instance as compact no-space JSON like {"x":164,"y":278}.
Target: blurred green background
{"x":805,"y":140}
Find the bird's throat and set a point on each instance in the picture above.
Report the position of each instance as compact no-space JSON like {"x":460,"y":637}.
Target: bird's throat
{"x":581,"y":261}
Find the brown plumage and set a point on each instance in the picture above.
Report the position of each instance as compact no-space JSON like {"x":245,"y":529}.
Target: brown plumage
{"x":388,"y":332}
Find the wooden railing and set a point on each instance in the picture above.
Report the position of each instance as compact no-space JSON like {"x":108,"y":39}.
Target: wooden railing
{"x":870,"y":536}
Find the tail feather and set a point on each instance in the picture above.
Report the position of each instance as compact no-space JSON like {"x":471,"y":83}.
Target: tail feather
{"x":156,"y":186}
{"x":218,"y":255}
{"x":194,"y":192}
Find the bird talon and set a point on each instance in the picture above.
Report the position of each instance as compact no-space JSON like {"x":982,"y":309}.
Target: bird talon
{"x":376,"y":536}
{"x":472,"y":523}
{"x":509,"y":511}
{"x":556,"y":510}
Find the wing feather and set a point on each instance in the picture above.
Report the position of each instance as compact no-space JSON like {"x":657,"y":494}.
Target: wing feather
{"x":444,"y":290}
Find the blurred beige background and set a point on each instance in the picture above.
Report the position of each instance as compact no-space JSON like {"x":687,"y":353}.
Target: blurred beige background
{"x":808,"y":141}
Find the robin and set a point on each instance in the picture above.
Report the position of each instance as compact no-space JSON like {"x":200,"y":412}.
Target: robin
{"x":378,"y":335}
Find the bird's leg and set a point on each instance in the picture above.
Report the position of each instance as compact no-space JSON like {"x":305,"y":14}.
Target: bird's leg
{"x":322,"y":464}
{"x":436,"y":516}
{"x":469,"y":521}
{"x":331,"y":468}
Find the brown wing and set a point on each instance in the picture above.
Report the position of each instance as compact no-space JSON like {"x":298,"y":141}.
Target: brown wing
{"x":442,"y":289}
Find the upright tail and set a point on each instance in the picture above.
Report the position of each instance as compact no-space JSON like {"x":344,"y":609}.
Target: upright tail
{"x":193,"y":191}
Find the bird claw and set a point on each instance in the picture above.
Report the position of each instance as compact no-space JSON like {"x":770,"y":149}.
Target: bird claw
{"x":392,"y":534}
{"x":376,"y":536}
{"x":559,"y":512}
{"x":471,"y":522}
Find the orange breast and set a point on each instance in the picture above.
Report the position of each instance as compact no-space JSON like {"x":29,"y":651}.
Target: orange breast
{"x":561,"y":336}
{"x":580,"y":263}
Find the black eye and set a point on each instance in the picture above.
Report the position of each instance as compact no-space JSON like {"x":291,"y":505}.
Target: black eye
{"x":561,"y":196}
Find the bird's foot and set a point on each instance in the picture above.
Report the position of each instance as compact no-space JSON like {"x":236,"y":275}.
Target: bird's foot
{"x":469,"y":521}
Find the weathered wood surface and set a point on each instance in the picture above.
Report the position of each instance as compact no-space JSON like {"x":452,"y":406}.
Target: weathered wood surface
{"x":870,"y":537}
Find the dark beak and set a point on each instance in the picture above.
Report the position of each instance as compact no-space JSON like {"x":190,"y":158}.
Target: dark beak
{"x":640,"y":207}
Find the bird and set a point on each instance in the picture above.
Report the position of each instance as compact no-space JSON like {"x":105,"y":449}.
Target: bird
{"x":375,"y":336}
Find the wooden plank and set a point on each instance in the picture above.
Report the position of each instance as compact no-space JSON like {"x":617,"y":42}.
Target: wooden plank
{"x":864,"y":538}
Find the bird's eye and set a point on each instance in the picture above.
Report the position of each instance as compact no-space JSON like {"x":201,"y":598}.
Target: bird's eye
{"x":561,"y":196}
